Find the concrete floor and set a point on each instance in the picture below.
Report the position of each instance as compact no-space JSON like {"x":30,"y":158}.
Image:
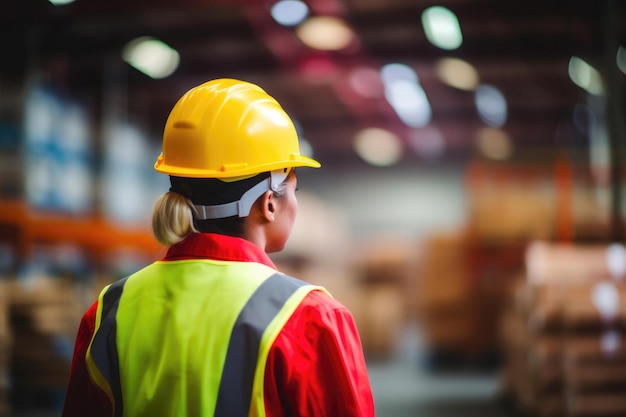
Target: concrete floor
{"x":404,"y":388}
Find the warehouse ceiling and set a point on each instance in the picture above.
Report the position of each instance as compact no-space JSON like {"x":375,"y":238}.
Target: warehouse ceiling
{"x":520,"y":47}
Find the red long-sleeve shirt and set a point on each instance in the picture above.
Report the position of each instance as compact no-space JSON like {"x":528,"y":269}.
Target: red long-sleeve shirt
{"x":315,"y":366}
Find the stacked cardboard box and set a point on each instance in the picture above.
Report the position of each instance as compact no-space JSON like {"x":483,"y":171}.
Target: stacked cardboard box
{"x":595,"y":374}
{"x":454,"y":307}
{"x":383,"y":269}
{"x":563,"y":334}
{"x":45,"y":313}
{"x":529,"y":212}
{"x":532,"y":368}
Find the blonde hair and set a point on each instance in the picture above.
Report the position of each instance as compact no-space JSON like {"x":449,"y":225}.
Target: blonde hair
{"x":172,"y":218}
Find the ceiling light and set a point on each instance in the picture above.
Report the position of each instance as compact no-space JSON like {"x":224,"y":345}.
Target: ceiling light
{"x":325,"y":33}
{"x":491,"y":105}
{"x":585,"y":76}
{"x":409,"y":101}
{"x":405,"y":95}
{"x":61,"y":2}
{"x":151,"y":56}
{"x":289,"y":12}
{"x":494,"y":143}
{"x":457,"y":73}
{"x":442,"y":28}
{"x":378,"y":147}
{"x":393,"y":72}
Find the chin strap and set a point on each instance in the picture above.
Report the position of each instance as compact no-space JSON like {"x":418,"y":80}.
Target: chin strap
{"x":239,"y":208}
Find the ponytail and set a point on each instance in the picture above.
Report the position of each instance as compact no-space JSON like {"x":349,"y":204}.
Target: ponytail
{"x":172,"y":218}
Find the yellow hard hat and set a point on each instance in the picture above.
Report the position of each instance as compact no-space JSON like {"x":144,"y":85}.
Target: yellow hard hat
{"x":228,"y":128}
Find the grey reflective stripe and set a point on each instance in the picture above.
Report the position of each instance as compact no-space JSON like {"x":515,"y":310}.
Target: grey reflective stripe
{"x":234,"y":396}
{"x":103,"y":347}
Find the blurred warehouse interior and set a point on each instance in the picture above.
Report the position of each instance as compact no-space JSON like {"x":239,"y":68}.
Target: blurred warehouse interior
{"x":470,"y":190}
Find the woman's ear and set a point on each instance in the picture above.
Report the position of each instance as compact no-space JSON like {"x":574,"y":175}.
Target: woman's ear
{"x":268,"y":206}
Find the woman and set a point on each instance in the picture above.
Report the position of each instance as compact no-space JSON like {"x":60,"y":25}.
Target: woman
{"x":214,"y":329}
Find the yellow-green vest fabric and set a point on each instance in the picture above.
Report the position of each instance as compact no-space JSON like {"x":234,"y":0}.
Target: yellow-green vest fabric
{"x":191,"y":337}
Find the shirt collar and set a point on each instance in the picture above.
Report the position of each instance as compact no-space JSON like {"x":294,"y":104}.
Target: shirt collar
{"x":218,"y":247}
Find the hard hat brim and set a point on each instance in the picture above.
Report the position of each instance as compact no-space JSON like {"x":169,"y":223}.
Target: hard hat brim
{"x":296,"y":161}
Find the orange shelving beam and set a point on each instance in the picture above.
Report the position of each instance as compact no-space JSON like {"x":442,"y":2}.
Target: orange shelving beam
{"x":90,"y":232}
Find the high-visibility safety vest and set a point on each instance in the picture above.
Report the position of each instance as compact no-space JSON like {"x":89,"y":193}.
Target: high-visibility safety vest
{"x":190,"y":337}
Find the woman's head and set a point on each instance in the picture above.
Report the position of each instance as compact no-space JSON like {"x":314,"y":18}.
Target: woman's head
{"x":232,"y":208}
{"x":230,"y":150}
